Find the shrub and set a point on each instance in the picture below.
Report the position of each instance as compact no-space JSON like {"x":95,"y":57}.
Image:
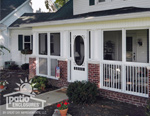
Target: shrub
{"x":82,"y":92}
{"x":147,"y":109}
{"x":39,"y":82}
{"x":25,"y":66}
{"x":13,"y":67}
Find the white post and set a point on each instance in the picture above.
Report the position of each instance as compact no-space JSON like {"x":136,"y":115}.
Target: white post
{"x":48,"y":50}
{"x":149,"y":63}
{"x":101,"y":56}
{"x":123,"y":59}
{"x":35,"y":45}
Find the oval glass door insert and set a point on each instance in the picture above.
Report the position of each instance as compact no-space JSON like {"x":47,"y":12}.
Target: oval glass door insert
{"x":79,"y":50}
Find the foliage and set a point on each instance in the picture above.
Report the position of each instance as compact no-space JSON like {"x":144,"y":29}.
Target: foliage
{"x":3,"y":83}
{"x":3,"y":48}
{"x":82,"y":92}
{"x":147,"y":109}
{"x":13,"y":67}
{"x":25,"y":66}
{"x":63,"y":105}
{"x":39,"y":82}
{"x":26,"y":51}
{"x":50,"y":6}
{"x":60,"y":3}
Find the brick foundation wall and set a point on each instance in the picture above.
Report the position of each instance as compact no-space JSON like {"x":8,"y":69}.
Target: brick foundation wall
{"x":63,"y":76}
{"x":122,"y":97}
{"x":32,"y":67}
{"x":94,"y":74}
{"x":94,"y":77}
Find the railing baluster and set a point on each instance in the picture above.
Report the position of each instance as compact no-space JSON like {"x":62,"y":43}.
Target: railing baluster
{"x":133,"y":78}
{"x":144,"y":80}
{"x":103,"y":74}
{"x":116,"y":76}
{"x":136,"y":79}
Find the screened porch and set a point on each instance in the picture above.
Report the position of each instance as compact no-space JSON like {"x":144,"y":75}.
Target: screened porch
{"x":125,"y":61}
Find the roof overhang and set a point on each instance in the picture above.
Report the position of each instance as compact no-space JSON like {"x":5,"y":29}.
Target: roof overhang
{"x":2,"y":27}
{"x":89,"y":19}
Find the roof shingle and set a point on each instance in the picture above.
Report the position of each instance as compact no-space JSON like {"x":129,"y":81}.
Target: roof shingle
{"x":66,"y":12}
{"x":7,"y":6}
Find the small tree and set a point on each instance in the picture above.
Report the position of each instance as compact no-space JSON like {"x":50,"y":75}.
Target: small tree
{"x":50,"y":6}
{"x":60,"y":3}
{"x":3,"y":48}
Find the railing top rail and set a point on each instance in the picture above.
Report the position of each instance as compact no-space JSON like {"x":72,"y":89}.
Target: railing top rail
{"x":126,"y":63}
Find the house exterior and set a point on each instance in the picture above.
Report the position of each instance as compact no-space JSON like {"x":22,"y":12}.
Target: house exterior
{"x":102,"y":41}
{"x":10,"y":10}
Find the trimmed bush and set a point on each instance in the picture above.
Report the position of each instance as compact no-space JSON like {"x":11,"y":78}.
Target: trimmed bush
{"x":25,"y":66}
{"x":39,"y":82}
{"x":82,"y":92}
{"x":13,"y":67}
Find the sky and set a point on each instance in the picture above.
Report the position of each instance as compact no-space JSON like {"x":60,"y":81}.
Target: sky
{"x":39,"y":4}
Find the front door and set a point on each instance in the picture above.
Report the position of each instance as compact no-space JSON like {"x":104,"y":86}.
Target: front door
{"x":79,"y":56}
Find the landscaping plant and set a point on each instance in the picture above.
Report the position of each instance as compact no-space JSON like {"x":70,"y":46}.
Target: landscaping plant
{"x":39,"y":82}
{"x":13,"y":67}
{"x":25,"y":66}
{"x":82,"y":92}
{"x":3,"y":84}
{"x":63,"y":105}
{"x":147,"y":109}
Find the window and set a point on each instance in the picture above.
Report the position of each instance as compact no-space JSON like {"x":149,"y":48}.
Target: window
{"x":79,"y":50}
{"x":112,"y":45}
{"x":55,"y":44}
{"x":91,"y":2}
{"x":43,"y":44}
{"x":43,"y":66}
{"x":27,"y":42}
{"x":89,"y":44}
{"x":137,"y":46}
{"x":54,"y":64}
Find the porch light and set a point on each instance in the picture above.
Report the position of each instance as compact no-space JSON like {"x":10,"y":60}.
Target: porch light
{"x":140,"y":42}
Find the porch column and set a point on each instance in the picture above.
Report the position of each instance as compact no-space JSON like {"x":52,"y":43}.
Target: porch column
{"x":148,"y":68}
{"x":35,"y":39}
{"x":123,"y":59}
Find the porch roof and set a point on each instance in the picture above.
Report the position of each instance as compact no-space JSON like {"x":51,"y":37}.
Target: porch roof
{"x":66,"y":12}
{"x":7,"y":6}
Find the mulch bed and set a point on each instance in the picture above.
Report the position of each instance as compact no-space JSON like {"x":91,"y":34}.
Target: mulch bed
{"x":103,"y":107}
{"x":13,"y":77}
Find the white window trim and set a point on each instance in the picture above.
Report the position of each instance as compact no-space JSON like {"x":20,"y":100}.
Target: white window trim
{"x":48,"y":56}
{"x":26,"y":42}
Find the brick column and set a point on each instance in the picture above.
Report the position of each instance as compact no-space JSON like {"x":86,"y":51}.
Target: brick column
{"x":32,"y":67}
{"x":94,"y":73}
{"x":63,"y":75}
{"x":63,"y":69}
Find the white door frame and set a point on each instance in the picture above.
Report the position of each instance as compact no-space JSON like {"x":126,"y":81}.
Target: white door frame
{"x":79,"y":73}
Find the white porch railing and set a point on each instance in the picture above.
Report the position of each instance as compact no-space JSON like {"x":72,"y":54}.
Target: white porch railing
{"x":131,"y":78}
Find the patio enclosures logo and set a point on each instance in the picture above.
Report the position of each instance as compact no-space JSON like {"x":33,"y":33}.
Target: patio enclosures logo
{"x":24,"y":98}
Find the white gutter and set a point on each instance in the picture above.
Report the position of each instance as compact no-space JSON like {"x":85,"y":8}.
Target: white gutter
{"x":14,"y":11}
{"x":89,"y":19}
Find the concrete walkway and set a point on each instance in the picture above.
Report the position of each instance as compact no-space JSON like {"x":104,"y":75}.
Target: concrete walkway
{"x":51,"y":97}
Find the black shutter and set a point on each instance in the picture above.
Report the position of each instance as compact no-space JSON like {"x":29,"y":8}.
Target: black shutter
{"x":31,"y":42}
{"x":20,"y":42}
{"x":91,"y":2}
